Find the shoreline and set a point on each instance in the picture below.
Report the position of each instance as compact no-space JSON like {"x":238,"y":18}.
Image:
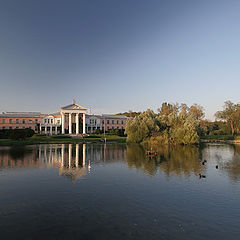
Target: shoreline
{"x":51,"y":140}
{"x":219,"y":141}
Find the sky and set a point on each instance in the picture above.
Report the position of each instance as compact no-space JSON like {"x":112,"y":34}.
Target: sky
{"x":118,"y":55}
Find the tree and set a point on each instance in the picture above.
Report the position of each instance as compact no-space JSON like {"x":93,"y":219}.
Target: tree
{"x":230,"y":114}
{"x":142,"y":126}
{"x":197,"y":111}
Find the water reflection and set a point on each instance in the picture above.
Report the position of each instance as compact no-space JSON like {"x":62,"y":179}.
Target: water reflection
{"x":169,"y":159}
{"x":75,"y":160}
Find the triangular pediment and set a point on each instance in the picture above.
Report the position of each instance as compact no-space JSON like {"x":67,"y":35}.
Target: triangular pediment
{"x":74,"y":106}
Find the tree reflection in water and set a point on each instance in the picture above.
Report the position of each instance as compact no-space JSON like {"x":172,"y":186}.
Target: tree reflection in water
{"x":176,"y":160}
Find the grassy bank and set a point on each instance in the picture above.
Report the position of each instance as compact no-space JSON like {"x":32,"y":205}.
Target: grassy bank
{"x":36,"y":139}
{"x":219,"y":137}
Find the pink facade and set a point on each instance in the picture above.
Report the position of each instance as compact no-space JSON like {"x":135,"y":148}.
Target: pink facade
{"x":20,"y":120}
{"x":109,"y":122}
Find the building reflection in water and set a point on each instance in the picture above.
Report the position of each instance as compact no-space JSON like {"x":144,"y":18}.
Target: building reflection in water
{"x":70,"y":159}
{"x":76,"y":160}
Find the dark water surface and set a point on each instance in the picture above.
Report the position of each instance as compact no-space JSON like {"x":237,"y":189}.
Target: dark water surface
{"x":113,"y":191}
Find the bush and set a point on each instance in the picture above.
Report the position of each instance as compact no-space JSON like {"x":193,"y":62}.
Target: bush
{"x":21,"y":134}
{"x":16,"y":134}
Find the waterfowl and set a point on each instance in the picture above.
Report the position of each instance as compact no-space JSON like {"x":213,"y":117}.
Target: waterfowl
{"x":201,"y":175}
{"x":216,"y":166}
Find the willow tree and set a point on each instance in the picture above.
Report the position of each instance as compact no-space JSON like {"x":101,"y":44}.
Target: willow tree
{"x":141,"y":127}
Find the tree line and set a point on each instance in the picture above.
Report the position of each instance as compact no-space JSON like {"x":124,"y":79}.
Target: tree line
{"x":181,"y":124}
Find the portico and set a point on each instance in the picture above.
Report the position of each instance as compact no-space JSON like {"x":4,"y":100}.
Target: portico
{"x":71,"y":116}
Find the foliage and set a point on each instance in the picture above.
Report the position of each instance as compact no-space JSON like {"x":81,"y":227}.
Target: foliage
{"x":130,"y":113}
{"x":231,"y":115}
{"x":142,"y":126}
{"x":16,"y":134}
{"x":173,"y":124}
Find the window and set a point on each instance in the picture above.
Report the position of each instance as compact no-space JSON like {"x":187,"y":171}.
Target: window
{"x":48,"y":120}
{"x":45,"y":120}
{"x":10,"y":127}
{"x":30,"y":121}
{"x":17,"y":127}
{"x":23,"y":127}
{"x":112,"y":121}
{"x":122,"y":121}
{"x":17,"y":120}
{"x":3,"y":127}
{"x":51,"y":120}
{"x":23,"y":121}
{"x":3,"y":121}
{"x":107,"y":121}
{"x":58,"y":121}
{"x":36,"y":121}
{"x":10,"y":120}
{"x":102,"y":121}
{"x":117,"y":121}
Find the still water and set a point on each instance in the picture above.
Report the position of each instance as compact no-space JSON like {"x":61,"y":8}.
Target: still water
{"x":114,"y":191}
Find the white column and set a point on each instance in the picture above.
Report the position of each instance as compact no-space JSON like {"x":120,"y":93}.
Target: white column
{"x":63,"y":123}
{"x":70,"y":123}
{"x":56,"y":132}
{"x":84,"y":127}
{"x":70,"y":155}
{"x":77,"y":123}
{"x":51,"y":130}
{"x":45,"y":129}
{"x":40,"y":130}
{"x":77,"y":155}
{"x":84,"y":154}
{"x":62,"y":155}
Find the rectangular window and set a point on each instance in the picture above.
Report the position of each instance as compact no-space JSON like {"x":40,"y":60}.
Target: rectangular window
{"x":3,"y":127}
{"x":3,"y":121}
{"x":112,"y":121}
{"x":17,"y":127}
{"x":45,"y":120}
{"x":117,"y":121}
{"x":107,"y":121}
{"x":51,"y":120}
{"x":30,"y":121}
{"x":58,"y":121}
{"x":102,"y":121}
{"x":10,"y":120}
{"x":36,"y":121}
{"x":122,"y":121}
{"x":48,"y":120}
{"x":17,"y":120}
{"x":10,"y":127}
{"x":23,"y":121}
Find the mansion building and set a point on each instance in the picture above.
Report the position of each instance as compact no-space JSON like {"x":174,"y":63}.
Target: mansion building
{"x":72,"y":119}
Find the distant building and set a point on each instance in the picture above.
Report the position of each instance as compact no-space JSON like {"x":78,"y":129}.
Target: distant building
{"x":50,"y":124}
{"x":93,"y":122}
{"x":21,"y":120}
{"x":109,"y":122}
{"x":72,"y":119}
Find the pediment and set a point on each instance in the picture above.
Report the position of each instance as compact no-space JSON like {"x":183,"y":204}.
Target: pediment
{"x":74,"y":107}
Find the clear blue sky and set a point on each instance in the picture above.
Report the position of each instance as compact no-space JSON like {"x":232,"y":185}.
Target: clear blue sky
{"x":114,"y":55}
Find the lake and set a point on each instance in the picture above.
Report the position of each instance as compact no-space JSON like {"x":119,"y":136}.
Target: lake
{"x":114,"y":191}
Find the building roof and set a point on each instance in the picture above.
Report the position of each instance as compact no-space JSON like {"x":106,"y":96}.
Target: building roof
{"x":73,"y":106}
{"x":20,"y":114}
{"x":114,"y":116}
